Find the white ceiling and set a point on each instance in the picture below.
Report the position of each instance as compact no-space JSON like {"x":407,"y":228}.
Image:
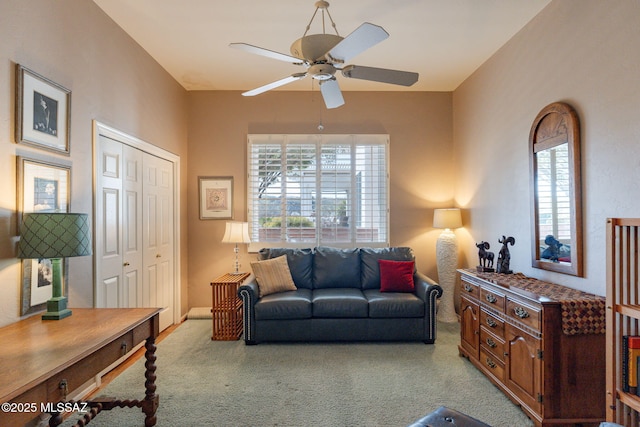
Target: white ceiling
{"x":443,"y":40}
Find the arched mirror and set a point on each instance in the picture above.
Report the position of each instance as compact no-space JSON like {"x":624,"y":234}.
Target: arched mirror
{"x":554,"y":149}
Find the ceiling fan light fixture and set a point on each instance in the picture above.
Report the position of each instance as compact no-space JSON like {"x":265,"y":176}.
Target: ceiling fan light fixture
{"x":323,"y":54}
{"x":314,"y":46}
{"x":322,"y":71}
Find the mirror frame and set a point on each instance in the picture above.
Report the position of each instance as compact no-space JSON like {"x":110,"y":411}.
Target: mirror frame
{"x":556,"y":124}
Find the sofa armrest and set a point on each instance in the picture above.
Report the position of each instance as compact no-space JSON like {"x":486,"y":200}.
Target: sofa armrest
{"x":250,"y":286}
{"x":428,"y":291}
{"x":426,"y":287}
{"x":249,"y":294}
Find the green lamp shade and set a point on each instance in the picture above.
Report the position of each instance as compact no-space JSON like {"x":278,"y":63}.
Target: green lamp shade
{"x":54,"y":235}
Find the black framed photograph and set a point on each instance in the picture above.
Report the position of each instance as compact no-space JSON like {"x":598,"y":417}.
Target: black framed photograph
{"x":216,"y":197}
{"x":43,"y":112}
{"x":43,"y":186}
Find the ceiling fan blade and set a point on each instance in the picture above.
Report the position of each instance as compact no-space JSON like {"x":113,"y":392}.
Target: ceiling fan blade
{"x":273,"y":85}
{"x":266,"y":52}
{"x":403,"y":78}
{"x":331,"y":93}
{"x":361,"y":39}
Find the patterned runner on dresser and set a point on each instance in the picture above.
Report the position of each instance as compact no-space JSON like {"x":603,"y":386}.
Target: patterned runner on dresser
{"x":582,"y":312}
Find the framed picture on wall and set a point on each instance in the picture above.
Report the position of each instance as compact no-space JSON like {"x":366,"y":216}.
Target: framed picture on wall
{"x":43,"y":112}
{"x":216,"y":197}
{"x":42,"y":187}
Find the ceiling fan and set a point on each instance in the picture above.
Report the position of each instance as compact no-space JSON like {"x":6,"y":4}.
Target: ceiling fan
{"x":324,"y":54}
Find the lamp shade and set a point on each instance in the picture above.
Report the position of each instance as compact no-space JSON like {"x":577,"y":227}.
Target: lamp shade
{"x":236,"y":232}
{"x":54,"y":235}
{"x":447,"y":218}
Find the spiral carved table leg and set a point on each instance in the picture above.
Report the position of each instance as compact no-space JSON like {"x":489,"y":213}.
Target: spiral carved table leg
{"x":150,"y":403}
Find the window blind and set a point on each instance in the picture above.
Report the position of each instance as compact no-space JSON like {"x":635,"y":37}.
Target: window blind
{"x":311,"y":190}
{"x":554,"y":204}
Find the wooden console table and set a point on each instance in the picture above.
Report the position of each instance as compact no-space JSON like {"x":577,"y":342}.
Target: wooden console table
{"x":541,"y":343}
{"x":42,"y":360}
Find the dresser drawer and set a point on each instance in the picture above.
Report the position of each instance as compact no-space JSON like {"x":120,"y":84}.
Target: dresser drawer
{"x":524,"y":313}
{"x":492,"y":364}
{"x":70,"y":379}
{"x":470,"y":289}
{"x":493,"y":299}
{"x":492,"y":343}
{"x":492,"y":323}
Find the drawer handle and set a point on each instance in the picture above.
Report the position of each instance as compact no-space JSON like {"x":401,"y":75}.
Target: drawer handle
{"x":63,"y":386}
{"x":491,"y":363}
{"x":491,"y":322}
{"x":468,"y":287}
{"x":521,"y":312}
{"x":491,"y":298}
{"x":491,"y":343}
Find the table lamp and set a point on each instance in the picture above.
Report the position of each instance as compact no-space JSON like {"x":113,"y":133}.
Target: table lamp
{"x":447,"y":259}
{"x":236,"y":232}
{"x":55,"y":236}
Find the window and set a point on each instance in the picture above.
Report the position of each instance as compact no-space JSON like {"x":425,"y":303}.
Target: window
{"x":312,"y":190}
{"x":554,"y":203}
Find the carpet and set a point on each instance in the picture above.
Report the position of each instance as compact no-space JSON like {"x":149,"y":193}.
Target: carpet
{"x":225,"y":383}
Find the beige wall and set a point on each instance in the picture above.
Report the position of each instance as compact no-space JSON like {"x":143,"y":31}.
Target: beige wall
{"x":468,"y":148}
{"x":586,"y":53}
{"x":420,"y":129}
{"x":113,"y":80}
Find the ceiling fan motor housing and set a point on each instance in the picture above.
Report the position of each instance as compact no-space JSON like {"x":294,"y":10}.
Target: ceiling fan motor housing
{"x":314,"y":47}
{"x":322,"y":71}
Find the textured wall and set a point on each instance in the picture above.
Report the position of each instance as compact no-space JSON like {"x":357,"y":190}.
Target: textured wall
{"x":586,"y":53}
{"x":419,"y":125}
{"x":111,"y":79}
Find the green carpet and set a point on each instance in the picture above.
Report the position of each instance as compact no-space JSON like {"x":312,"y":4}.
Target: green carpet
{"x":225,"y":383}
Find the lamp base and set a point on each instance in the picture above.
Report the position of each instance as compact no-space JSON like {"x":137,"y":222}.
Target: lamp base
{"x":447,"y":262}
{"x":56,"y":309}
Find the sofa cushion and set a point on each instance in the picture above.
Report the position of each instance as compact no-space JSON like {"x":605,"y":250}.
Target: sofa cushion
{"x":336,"y":268}
{"x":393,"y":304}
{"x":344,"y":303}
{"x":370,"y":268}
{"x":300,"y":263}
{"x":285,"y":305}
{"x":396,"y":276}
{"x":273,"y":276}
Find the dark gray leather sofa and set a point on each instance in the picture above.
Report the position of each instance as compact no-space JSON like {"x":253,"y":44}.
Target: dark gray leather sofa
{"x":338,"y":298}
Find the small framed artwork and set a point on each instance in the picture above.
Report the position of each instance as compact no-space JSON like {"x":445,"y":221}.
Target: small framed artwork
{"x":216,"y":197}
{"x":42,"y":187}
{"x":43,"y":112}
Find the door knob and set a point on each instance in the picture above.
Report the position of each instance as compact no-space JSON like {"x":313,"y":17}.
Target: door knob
{"x":158,"y":256}
{"x":126,"y":264}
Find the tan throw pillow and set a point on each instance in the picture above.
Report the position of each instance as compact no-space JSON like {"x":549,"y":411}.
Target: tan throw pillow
{"x":273,"y":275}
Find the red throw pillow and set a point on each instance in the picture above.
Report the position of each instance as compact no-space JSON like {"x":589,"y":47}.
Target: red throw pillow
{"x":396,"y":276}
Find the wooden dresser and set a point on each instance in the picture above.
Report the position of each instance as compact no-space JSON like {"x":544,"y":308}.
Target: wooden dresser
{"x":541,"y":343}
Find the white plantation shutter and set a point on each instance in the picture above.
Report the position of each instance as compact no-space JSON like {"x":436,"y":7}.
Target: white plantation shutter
{"x":554,"y":202}
{"x":311,"y":190}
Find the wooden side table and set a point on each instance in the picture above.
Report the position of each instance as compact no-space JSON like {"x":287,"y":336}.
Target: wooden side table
{"x":227,"y":307}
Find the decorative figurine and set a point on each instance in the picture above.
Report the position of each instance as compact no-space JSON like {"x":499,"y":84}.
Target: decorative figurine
{"x":504,"y":257}
{"x":485,"y":258}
